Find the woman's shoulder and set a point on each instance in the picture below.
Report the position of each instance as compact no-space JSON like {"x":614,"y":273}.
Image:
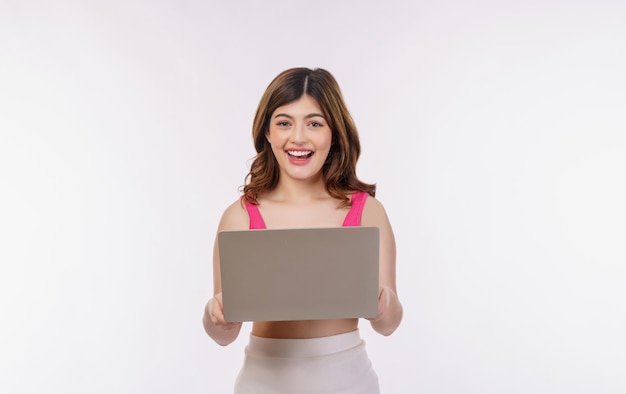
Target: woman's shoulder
{"x":235,"y":217}
{"x":373,"y":212}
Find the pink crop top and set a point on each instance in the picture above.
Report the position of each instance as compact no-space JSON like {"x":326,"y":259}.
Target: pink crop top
{"x":353,"y":218}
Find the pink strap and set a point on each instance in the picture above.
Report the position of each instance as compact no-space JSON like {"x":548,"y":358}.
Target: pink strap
{"x":256,"y":221}
{"x":353,"y":218}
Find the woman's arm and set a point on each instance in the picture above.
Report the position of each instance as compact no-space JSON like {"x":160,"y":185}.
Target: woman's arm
{"x":389,"y":306}
{"x":223,"y":332}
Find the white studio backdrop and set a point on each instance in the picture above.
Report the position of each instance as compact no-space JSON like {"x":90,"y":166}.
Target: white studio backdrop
{"x":495,"y":131}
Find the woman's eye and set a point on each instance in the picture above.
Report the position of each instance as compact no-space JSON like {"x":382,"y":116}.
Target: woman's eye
{"x":282,"y":124}
{"x":316,"y":124}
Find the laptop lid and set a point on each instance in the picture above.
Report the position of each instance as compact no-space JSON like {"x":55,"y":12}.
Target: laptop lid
{"x":299,"y":274}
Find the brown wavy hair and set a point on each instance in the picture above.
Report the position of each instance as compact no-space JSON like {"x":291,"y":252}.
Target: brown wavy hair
{"x":339,"y":169}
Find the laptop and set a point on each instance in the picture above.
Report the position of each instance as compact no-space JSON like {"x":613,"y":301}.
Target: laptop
{"x":299,"y":274}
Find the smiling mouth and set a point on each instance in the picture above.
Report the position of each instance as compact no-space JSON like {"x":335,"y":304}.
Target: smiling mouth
{"x":300,"y":154}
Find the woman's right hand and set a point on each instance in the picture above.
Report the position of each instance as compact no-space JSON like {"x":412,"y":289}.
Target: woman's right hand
{"x":220,"y":330}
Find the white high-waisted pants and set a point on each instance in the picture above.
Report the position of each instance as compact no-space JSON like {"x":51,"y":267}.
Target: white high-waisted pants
{"x":328,"y":365}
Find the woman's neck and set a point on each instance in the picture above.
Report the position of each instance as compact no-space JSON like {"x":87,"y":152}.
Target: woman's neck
{"x":298,"y":191}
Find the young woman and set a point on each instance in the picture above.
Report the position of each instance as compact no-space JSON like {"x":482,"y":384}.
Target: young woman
{"x":304,"y":175}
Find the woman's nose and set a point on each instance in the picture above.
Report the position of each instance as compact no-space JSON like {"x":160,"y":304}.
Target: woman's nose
{"x":298,"y":133}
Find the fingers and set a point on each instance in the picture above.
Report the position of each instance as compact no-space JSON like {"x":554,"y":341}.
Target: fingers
{"x":221,"y":331}
{"x":383,"y":303}
{"x":216,"y":312}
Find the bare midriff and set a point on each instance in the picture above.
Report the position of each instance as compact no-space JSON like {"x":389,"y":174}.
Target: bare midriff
{"x":303,"y":328}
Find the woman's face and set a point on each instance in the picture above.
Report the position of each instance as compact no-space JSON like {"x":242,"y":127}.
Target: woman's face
{"x":300,"y":139}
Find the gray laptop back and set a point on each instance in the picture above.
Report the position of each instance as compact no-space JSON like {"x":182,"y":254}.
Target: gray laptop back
{"x":299,"y":274}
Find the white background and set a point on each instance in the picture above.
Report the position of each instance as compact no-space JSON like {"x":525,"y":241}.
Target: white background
{"x":495,"y":131}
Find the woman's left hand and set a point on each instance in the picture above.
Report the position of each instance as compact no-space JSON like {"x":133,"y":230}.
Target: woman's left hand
{"x":389,"y":312}
{"x":383,"y":303}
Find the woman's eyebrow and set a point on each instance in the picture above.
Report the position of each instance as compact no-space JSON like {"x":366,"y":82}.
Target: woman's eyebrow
{"x":313,"y":115}
{"x":285,"y":115}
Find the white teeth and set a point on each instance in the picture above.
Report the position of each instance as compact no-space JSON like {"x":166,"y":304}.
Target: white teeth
{"x":299,"y":153}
